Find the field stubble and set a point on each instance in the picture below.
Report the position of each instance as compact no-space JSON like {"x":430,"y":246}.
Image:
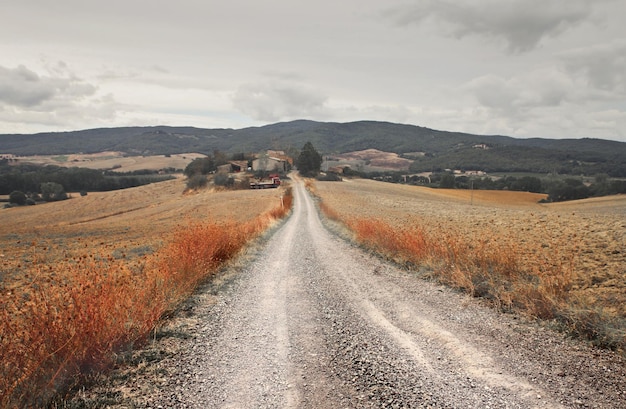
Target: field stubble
{"x":87,"y":278}
{"x":563,"y":261}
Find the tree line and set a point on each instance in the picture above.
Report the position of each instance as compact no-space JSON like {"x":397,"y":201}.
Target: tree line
{"x":557,"y":188}
{"x":49,"y":182}
{"x":523,"y":159}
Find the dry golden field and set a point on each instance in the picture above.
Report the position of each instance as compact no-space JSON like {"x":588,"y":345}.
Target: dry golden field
{"x":371,"y":159}
{"x":84,"y":279}
{"x":126,"y":223}
{"x":113,"y":160}
{"x":587,"y":237}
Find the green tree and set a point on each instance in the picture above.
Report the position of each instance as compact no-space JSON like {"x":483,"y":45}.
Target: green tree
{"x":238,"y":156}
{"x":51,"y":192}
{"x":309,"y":161}
{"x":447,"y":181}
{"x":197,"y":181}
{"x":17,"y":197}
{"x":220,"y":158}
{"x":200,"y":166}
{"x":568,"y":189}
{"x":527,"y":184}
{"x":222,"y":179}
{"x":601,"y":187}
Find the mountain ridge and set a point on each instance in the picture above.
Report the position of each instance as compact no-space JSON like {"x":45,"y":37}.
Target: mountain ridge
{"x":443,"y":149}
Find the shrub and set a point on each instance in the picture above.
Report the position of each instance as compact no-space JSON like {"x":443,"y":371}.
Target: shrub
{"x":597,"y":326}
{"x":329,"y":177}
{"x":286,"y":202}
{"x":222,"y":179}
{"x":197,"y":181}
{"x":201,"y":166}
{"x":447,"y":181}
{"x":568,"y":189}
{"x":17,"y":197}
{"x":51,"y":192}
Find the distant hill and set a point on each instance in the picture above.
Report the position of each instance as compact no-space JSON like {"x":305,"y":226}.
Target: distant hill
{"x":440,"y":149}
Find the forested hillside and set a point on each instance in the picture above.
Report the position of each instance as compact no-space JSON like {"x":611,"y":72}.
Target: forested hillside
{"x":440,"y":149}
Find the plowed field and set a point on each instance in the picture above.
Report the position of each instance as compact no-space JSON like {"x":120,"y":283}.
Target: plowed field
{"x":589,"y":235}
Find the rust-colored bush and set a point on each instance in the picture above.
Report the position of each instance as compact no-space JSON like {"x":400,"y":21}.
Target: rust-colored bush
{"x":74,"y":316}
{"x":53,"y":330}
{"x":285,"y":205}
{"x":489,"y":267}
{"x":541,"y":261}
{"x":329,"y":212}
{"x":408,"y":245}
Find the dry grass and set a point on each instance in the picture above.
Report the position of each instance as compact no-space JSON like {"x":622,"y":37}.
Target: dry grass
{"x":114,"y":160}
{"x":68,"y":306}
{"x":561,"y":262}
{"x":371,"y":160}
{"x":487,"y":268}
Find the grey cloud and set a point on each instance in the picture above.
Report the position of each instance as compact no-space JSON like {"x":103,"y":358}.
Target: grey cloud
{"x":277,"y":100}
{"x":391,"y":113}
{"x":522,"y":24}
{"x":58,"y":99}
{"x":547,"y":87}
{"x":160,"y":69}
{"x":98,"y":111}
{"x":602,"y":66}
{"x":24,"y":88}
{"x":493,"y":91}
{"x":580,"y":76}
{"x":112,"y":75}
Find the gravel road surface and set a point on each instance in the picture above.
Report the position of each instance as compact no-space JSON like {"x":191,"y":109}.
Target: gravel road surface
{"x":314,"y":322}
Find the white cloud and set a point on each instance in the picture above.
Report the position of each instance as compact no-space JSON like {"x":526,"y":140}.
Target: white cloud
{"x":276,"y":99}
{"x":522,"y":24}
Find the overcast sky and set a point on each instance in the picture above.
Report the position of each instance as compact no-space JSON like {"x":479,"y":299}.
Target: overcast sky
{"x":524,"y":68}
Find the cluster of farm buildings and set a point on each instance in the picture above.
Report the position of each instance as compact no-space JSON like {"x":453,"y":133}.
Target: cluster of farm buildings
{"x":270,"y":161}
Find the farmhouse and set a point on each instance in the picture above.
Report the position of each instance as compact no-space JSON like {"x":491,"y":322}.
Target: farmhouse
{"x":336,"y":169}
{"x":481,"y":146}
{"x":459,"y":172}
{"x":270,"y":164}
{"x":234,"y":166}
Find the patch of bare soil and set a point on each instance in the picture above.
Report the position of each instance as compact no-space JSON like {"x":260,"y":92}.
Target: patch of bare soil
{"x":117,"y":161}
{"x":589,"y":235}
{"x":373,"y":158}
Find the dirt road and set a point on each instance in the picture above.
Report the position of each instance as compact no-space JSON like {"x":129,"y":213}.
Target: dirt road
{"x":314,"y":322}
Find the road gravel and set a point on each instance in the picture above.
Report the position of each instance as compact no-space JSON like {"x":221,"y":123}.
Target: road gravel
{"x":313,"y":321}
